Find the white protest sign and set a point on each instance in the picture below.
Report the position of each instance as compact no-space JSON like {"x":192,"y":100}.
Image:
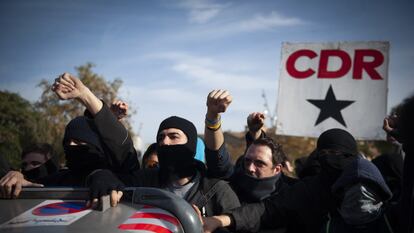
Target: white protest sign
{"x":333,"y":85}
{"x":50,"y":213}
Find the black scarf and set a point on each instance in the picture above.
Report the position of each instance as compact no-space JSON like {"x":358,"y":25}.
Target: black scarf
{"x":252,"y":189}
{"x":47,"y":168}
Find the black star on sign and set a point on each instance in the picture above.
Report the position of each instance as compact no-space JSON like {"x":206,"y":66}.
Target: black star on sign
{"x":330,"y":107}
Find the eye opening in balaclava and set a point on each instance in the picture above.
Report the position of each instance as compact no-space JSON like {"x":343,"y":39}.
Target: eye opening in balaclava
{"x":177,"y":161}
{"x":184,"y":125}
{"x":336,"y":149}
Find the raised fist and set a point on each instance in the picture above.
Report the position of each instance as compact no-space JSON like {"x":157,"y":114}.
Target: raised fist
{"x":119,"y":109}
{"x":218,"y":101}
{"x":255,"y":121}
{"x":67,"y":87}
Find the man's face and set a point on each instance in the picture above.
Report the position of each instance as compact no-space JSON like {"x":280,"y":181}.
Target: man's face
{"x":33,"y":160}
{"x":171,"y":136}
{"x":258,"y":162}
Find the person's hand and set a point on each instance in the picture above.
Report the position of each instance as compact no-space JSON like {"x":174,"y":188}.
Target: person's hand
{"x":218,"y":102}
{"x":67,"y":86}
{"x":11,"y":184}
{"x":119,"y":109}
{"x":255,"y":121}
{"x":102,"y":183}
{"x":386,"y":125}
{"x":210,"y":224}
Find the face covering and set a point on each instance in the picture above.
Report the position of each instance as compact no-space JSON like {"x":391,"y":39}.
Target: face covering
{"x":175,"y":162}
{"x":83,"y":158}
{"x":360,"y":205}
{"x":334,"y":164}
{"x":47,"y":168}
{"x":255,"y":189}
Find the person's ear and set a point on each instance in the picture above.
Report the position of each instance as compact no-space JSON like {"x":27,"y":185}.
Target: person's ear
{"x":277,"y":169}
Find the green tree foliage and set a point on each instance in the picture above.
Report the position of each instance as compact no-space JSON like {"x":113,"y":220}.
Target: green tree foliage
{"x":58,"y":113}
{"x":20,"y":125}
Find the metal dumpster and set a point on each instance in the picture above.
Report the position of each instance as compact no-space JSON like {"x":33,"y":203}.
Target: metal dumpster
{"x":63,"y":210}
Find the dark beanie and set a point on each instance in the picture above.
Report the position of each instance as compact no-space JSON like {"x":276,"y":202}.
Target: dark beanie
{"x":339,"y":140}
{"x":81,"y":128}
{"x":184,"y":125}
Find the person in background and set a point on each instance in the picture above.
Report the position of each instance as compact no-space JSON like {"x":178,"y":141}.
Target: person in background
{"x":403,"y":133}
{"x":38,"y":161}
{"x":150,"y":157}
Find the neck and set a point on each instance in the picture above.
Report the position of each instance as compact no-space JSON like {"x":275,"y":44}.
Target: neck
{"x":183,"y":181}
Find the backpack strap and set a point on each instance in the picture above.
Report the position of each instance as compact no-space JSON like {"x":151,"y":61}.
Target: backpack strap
{"x":209,"y":189}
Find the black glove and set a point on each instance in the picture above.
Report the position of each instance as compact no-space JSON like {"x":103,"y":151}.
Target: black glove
{"x":102,"y":182}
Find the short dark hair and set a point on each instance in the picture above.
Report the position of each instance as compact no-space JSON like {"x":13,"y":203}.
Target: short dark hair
{"x":278,"y":155}
{"x":41,"y":148}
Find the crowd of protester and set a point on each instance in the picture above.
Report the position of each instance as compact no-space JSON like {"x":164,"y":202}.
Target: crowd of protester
{"x":336,"y":189}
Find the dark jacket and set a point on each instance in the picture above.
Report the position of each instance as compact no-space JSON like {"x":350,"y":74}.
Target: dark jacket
{"x":391,"y":167}
{"x":301,"y":207}
{"x":118,"y":150}
{"x":336,"y":224}
{"x":221,"y":200}
{"x":360,"y":171}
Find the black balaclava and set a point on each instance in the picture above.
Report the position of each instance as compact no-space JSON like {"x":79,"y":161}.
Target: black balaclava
{"x":343,"y":143}
{"x":177,"y":161}
{"x":83,"y":158}
{"x":47,"y":168}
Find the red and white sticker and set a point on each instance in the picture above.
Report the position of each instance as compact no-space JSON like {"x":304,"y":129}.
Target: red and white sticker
{"x":151,"y":219}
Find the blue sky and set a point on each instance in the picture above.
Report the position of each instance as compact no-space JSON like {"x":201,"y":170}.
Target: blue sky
{"x":170,"y":54}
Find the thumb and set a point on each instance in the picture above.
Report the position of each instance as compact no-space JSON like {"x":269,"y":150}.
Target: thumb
{"x":31,"y":184}
{"x":198,"y":212}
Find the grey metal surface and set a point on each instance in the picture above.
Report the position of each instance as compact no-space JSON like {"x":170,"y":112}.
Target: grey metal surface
{"x":99,"y":221}
{"x":173,"y":204}
{"x":55,"y":193}
{"x":96,"y":221}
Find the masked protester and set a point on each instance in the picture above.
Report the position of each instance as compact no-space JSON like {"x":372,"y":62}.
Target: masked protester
{"x":82,"y":145}
{"x":179,"y":172}
{"x":94,"y":141}
{"x":38,"y":161}
{"x":361,"y":200}
{"x":303,"y":206}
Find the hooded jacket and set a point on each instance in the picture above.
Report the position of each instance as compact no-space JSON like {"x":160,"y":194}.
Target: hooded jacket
{"x":360,"y":172}
{"x":111,"y":141}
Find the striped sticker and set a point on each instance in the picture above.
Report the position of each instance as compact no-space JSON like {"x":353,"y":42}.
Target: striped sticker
{"x":151,"y":219}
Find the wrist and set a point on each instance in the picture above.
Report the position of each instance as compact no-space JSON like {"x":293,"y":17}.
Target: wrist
{"x":90,"y":101}
{"x":84,"y":95}
{"x":213,"y":123}
{"x":255,"y":134}
{"x":223,"y":220}
{"x":212,"y":116}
